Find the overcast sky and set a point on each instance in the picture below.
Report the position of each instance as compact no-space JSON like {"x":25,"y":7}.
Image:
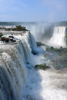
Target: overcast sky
{"x":33,"y":10}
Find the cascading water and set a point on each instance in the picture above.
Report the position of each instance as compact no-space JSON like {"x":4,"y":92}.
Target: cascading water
{"x":58,"y":37}
{"x":20,"y":83}
{"x":44,"y":33}
{"x":32,"y":43}
{"x":12,"y":73}
{"x":21,"y":50}
{"x":13,"y":59}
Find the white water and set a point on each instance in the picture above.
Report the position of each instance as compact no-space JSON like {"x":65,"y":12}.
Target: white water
{"x":20,"y":83}
{"x":29,"y":44}
{"x":13,"y":73}
{"x":39,"y":31}
{"x":46,"y":85}
{"x":58,"y":37}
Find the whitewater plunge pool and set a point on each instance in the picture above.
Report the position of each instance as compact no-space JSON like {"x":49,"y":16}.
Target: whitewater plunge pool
{"x":46,"y":85}
{"x":19,"y":80}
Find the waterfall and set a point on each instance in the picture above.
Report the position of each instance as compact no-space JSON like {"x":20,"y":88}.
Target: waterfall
{"x":19,"y":80}
{"x":29,"y":45}
{"x":14,"y":58}
{"x":29,"y":38}
{"x":21,"y":50}
{"x":12,"y":73}
{"x":58,"y":36}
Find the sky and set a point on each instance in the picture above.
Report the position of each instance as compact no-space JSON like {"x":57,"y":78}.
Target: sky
{"x":33,"y":10}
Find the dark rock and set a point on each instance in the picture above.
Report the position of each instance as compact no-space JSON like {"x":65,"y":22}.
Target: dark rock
{"x":11,"y":37}
{"x":12,"y":40}
{"x":5,"y":39}
{"x":35,"y":53}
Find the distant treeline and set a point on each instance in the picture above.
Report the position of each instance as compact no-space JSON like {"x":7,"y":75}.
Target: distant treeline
{"x":15,"y":23}
{"x":62,"y":23}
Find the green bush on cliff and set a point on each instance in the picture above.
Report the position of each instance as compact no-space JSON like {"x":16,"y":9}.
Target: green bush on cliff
{"x":8,"y":29}
{"x":19,"y":28}
{"x":41,"y":66}
{"x":50,"y":49}
{"x":40,"y":44}
{"x":55,"y":49}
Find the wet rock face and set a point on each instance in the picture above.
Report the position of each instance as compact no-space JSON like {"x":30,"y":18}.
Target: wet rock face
{"x":11,"y":37}
{"x":7,"y":39}
{"x":12,"y":40}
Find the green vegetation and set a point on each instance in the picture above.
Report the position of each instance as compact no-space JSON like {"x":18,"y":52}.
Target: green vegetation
{"x":8,"y":29}
{"x":41,"y":66}
{"x":54,"y":49}
{"x":63,"y":23}
{"x":17,"y":28}
{"x":40,"y":44}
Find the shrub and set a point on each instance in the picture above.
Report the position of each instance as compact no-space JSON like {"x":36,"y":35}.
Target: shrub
{"x":41,"y":66}
{"x":19,"y":28}
{"x":40,"y":44}
{"x":8,"y":29}
{"x":51,"y":48}
{"x":55,"y":49}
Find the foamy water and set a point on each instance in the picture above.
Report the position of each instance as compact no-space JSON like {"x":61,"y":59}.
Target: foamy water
{"x":46,"y":85}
